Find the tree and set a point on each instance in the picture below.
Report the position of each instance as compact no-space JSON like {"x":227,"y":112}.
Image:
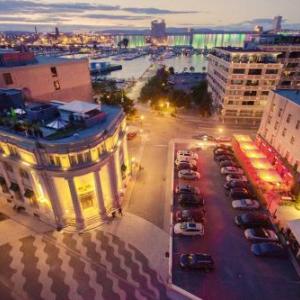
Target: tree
{"x":202,"y":98}
{"x":203,"y":69}
{"x":171,"y":70}
{"x":192,"y":69}
{"x":125,"y":42}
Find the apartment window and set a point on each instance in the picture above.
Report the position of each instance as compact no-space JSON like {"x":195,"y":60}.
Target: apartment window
{"x":284,"y":132}
{"x":276,"y":125}
{"x":248,"y":103}
{"x":269,"y":119}
{"x":24,"y":174}
{"x":288,"y":119}
{"x":265,"y":93}
{"x":53,"y":71}
{"x":237,"y":82}
{"x":7,"y":78}
{"x":250,"y":93}
{"x":292,"y":141}
{"x":255,"y":71}
{"x":238,"y":71}
{"x":298,"y":125}
{"x":271,"y":71}
{"x":56,"y":85}
{"x":280,"y":112}
{"x":54,"y":160}
{"x":252,"y":82}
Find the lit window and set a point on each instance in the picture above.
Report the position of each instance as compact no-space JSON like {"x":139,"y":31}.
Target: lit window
{"x":292,"y":140}
{"x":56,"y":85}
{"x":284,"y":132}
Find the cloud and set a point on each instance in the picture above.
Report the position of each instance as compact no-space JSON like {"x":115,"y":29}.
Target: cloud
{"x":156,"y":11}
{"x":116,"y":17}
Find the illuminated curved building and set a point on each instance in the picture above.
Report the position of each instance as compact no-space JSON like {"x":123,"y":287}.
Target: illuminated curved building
{"x":71,"y":170}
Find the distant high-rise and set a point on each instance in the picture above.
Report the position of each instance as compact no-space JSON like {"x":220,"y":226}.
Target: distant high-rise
{"x":35,"y":29}
{"x":56,"y":32}
{"x":158,"y":28}
{"x":276,"y":25}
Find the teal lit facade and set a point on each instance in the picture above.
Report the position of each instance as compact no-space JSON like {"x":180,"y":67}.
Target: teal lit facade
{"x":178,"y":40}
{"x":135,"y":41}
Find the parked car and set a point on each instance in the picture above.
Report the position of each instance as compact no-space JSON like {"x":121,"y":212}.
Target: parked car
{"x":232,"y":170}
{"x":187,"y":154}
{"x":246,"y":204}
{"x":186,"y":166}
{"x":187,"y":199}
{"x":189,"y":228}
{"x":186,"y":160}
{"x":236,"y":177}
{"x":236,"y":184}
{"x":223,"y":152}
{"x":261,"y":235}
{"x":222,"y":157}
{"x":197,"y":261}
{"x":239,"y":193}
{"x":188,"y":174}
{"x":204,"y":137}
{"x":269,"y":249}
{"x":223,"y":146}
{"x":223,"y":139}
{"x":190,"y":215}
{"x":228,"y":163}
{"x":186,"y":188}
{"x":250,"y":220}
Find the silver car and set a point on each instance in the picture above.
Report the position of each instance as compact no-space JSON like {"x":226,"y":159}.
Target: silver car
{"x":261,"y":235}
{"x":245,"y":204}
{"x":188,"y":174}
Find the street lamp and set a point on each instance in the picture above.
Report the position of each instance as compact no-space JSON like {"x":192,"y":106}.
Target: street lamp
{"x":221,"y":130}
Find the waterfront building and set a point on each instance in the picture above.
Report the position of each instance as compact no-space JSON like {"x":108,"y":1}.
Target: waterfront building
{"x":289,"y":48}
{"x":158,"y":28}
{"x":45,"y":78}
{"x":276,"y":24}
{"x":240,"y":81}
{"x":279,"y":130}
{"x":69,"y":168}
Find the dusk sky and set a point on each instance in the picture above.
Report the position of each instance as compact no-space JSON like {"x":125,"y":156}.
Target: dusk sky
{"x":68,"y":15}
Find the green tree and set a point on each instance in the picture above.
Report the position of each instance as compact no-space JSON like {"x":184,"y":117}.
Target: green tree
{"x":202,"y":98}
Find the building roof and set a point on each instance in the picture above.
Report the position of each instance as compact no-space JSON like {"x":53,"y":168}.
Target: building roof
{"x":80,"y":107}
{"x":292,"y":95}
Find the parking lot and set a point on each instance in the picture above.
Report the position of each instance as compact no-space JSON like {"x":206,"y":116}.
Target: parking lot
{"x":238,"y":273}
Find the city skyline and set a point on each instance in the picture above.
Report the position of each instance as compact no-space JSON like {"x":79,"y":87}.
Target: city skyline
{"x":232,"y":15}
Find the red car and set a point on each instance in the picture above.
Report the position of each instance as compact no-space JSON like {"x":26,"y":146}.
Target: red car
{"x":189,"y":215}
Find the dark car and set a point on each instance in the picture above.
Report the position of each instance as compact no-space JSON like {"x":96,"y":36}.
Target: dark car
{"x":187,"y":199}
{"x":186,"y":166}
{"x":236,"y":184}
{"x":240,"y":193}
{"x":269,"y":249}
{"x":190,"y":215}
{"x":229,"y":163}
{"x":223,"y":157}
{"x":197,"y":261}
{"x":222,"y":152}
{"x":252,"y":220}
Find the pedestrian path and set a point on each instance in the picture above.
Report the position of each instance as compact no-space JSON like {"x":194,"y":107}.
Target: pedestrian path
{"x":117,"y":261}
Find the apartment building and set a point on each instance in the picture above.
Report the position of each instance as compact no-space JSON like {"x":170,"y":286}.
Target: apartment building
{"x":44,"y":78}
{"x":279,"y":130}
{"x":68,"y":171}
{"x":240,"y":81}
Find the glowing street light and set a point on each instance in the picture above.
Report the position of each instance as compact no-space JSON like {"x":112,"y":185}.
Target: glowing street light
{"x":220,"y":129}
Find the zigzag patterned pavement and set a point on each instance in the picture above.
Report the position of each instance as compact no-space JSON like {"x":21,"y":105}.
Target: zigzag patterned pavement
{"x":65,"y":266}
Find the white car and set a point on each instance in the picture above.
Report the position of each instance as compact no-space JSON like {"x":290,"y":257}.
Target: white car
{"x":188,"y":174}
{"x":185,"y":160}
{"x":261,"y":235}
{"x":232,"y":170}
{"x":187,"y":154}
{"x":236,"y":177}
{"x":247,"y":204}
{"x":189,"y":228}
